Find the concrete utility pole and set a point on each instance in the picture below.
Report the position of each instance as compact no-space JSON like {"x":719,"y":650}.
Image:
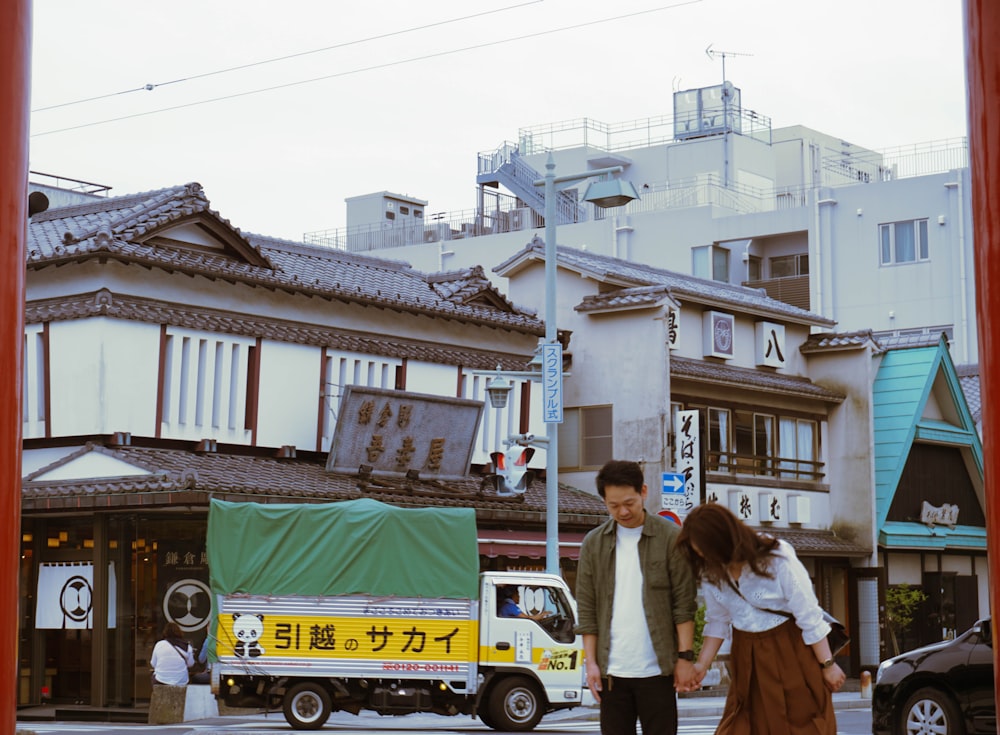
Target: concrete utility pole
{"x":15,"y":91}
{"x":982,"y":56}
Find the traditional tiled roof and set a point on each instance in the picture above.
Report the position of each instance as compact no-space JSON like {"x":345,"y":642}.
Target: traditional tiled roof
{"x":838,"y":341}
{"x":132,"y":229}
{"x":816,"y":542}
{"x":895,"y":341}
{"x":628,"y":274}
{"x":968,"y":376}
{"x":702,"y":371}
{"x":105,"y":303}
{"x":189,"y":477}
{"x":626,"y":298}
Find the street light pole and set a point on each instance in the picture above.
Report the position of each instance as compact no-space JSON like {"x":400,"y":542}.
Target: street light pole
{"x":551,"y":337}
{"x":604,"y":193}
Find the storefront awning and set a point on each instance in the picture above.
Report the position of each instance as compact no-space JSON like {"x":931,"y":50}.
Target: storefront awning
{"x":527,"y":544}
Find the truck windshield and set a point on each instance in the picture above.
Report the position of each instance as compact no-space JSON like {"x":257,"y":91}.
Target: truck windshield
{"x":546,"y":606}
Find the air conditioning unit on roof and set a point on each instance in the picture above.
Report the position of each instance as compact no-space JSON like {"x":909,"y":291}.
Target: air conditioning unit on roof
{"x":437,"y":231}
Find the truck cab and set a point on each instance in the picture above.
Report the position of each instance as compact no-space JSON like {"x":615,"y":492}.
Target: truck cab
{"x":533,"y":663}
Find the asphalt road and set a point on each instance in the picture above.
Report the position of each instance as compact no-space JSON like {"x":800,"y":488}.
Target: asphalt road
{"x":855,"y":720}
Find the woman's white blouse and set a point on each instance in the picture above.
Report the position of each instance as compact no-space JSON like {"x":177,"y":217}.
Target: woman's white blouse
{"x":790,"y":590}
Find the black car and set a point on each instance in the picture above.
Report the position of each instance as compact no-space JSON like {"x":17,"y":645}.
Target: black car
{"x":943,"y":689}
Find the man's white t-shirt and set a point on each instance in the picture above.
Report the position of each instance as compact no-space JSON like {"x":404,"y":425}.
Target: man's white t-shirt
{"x":632,"y":654}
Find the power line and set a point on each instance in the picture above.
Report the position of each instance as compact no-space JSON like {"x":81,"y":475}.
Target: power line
{"x":374,"y":67}
{"x":151,"y":87}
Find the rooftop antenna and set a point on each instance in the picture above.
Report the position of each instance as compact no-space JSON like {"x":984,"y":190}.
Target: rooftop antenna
{"x":712,"y":53}
{"x":727,"y":91}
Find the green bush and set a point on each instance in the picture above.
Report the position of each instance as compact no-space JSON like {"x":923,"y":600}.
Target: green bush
{"x":901,"y":602}
{"x":699,"y":626}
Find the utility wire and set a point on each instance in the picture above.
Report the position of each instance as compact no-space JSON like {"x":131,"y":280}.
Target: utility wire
{"x":151,"y":87}
{"x":368,"y":68}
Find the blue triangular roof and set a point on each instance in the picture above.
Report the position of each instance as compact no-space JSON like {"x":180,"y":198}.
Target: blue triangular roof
{"x":900,"y":392}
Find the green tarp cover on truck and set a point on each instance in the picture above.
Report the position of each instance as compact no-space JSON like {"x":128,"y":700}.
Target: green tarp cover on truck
{"x":345,"y":548}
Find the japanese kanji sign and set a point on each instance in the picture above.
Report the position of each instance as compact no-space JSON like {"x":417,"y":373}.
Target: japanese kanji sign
{"x":552,"y":393}
{"x":394,"y":431}
{"x":687,"y":460}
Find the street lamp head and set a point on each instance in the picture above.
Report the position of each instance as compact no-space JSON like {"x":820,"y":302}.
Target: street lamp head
{"x":610,"y":193}
{"x":498,"y":388}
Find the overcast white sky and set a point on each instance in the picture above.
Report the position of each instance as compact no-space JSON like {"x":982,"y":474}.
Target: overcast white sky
{"x":879,"y":73}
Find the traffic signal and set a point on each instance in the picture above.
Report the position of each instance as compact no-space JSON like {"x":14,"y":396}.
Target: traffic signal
{"x":511,"y":477}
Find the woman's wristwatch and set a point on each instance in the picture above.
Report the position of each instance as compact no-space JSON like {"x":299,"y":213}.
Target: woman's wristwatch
{"x":827,"y":664}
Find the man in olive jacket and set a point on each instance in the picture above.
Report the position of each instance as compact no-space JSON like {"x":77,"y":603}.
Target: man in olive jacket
{"x":636,"y":599}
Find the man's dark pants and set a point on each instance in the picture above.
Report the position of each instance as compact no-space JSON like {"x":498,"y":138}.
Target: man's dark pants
{"x":650,"y":700}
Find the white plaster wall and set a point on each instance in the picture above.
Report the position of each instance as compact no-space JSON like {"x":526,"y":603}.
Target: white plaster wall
{"x":205,"y":386}
{"x":848,"y":442}
{"x":940,"y":291}
{"x":103,"y":376}
{"x":290,"y":378}
{"x":819,"y":504}
{"x":33,"y":385}
{"x":983,"y":579}
{"x":904,"y":568}
{"x":35,"y":459}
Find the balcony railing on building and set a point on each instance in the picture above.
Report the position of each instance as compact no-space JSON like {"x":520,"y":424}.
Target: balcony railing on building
{"x":782,"y":468}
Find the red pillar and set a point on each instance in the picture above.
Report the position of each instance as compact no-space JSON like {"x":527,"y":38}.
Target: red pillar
{"x":982,"y":58}
{"x":15,"y":66}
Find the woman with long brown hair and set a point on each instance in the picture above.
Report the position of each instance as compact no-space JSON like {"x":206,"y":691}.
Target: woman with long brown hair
{"x":759,"y":594}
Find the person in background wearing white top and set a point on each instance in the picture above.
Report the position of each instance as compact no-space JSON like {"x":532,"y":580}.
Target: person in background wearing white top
{"x":635,"y":597}
{"x":172,"y":657}
{"x":782,"y":670}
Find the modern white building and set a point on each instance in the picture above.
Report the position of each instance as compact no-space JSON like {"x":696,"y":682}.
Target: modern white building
{"x":878,"y":240}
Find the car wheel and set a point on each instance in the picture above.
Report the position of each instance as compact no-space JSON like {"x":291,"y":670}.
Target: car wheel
{"x":931,"y":712}
{"x":307,"y":706}
{"x":515,"y":705}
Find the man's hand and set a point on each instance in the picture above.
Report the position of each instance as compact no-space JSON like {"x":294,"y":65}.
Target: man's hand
{"x":594,"y":679}
{"x":686,"y":678}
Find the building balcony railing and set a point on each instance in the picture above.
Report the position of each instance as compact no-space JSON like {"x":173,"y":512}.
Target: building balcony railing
{"x":792,"y":290}
{"x":784,"y":468}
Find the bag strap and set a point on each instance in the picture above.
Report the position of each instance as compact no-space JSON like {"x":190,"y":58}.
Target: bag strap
{"x":179,"y":653}
{"x":765,"y":609}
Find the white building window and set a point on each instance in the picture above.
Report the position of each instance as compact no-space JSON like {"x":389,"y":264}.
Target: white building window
{"x":787,"y":266}
{"x":903,"y":242}
{"x":710,"y":261}
{"x":740,"y":440}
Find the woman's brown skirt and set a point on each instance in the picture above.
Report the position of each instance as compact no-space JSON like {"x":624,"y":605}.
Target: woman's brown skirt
{"x":776,"y":686}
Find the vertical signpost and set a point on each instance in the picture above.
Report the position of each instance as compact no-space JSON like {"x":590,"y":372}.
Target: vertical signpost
{"x":552,"y":411}
{"x":552,"y":387}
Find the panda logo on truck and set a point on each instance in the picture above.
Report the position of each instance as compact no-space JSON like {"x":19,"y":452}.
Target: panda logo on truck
{"x":248,"y":629}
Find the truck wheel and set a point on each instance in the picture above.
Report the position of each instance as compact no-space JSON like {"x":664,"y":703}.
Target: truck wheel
{"x":515,"y":705}
{"x":307,"y":706}
{"x":484,"y":716}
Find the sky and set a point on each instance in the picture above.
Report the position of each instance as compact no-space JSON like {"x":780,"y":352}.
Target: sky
{"x":281,"y":111}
